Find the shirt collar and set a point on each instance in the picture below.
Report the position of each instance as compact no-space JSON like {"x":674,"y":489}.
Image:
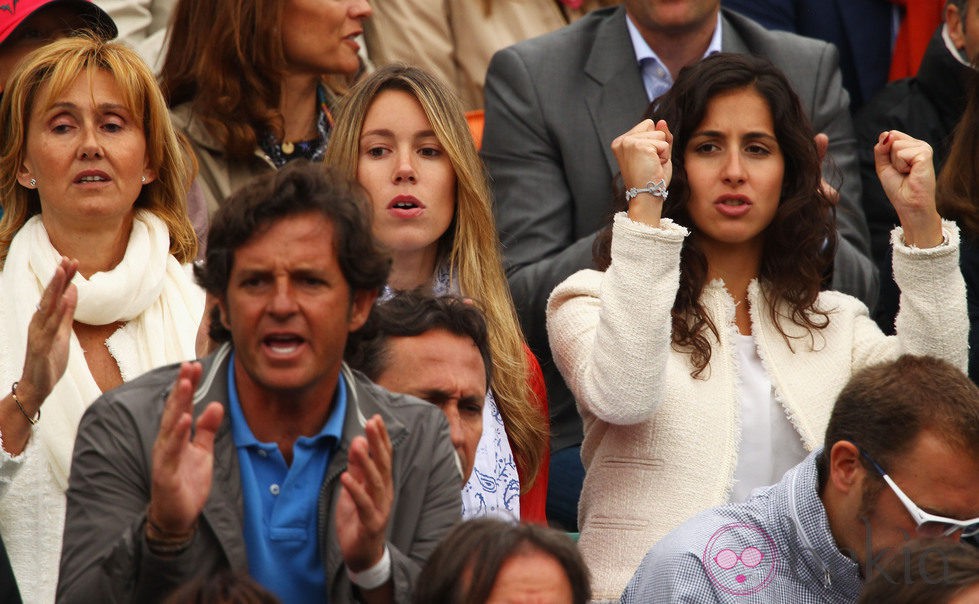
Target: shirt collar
{"x":643,"y":51}
{"x":812,"y":537}
{"x":952,"y":50}
{"x":242,"y":433}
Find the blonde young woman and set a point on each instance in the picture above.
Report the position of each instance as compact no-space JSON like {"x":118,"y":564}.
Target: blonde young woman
{"x":401,"y":133}
{"x":90,"y":169}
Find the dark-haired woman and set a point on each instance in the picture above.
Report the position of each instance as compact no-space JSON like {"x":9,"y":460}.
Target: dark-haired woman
{"x":705,"y":360}
{"x":958,"y":199}
{"x":248,"y":82}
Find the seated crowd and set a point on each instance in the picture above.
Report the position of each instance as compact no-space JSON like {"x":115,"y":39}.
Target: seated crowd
{"x":521,"y":301}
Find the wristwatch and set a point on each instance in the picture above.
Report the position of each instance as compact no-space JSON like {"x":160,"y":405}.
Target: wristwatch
{"x":656,"y":189}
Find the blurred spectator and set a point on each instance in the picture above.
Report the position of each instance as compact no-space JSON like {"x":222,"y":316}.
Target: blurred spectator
{"x":919,"y":18}
{"x":902,"y":438}
{"x":487,"y":560}
{"x":958,"y":199}
{"x":926,"y":571}
{"x":222,"y":588}
{"x":92,"y":170}
{"x":143,"y":25}
{"x":455,"y":39}
{"x":401,"y":133}
{"x":862,"y":30}
{"x":553,"y":106}
{"x":26,"y":25}
{"x":435,"y":349}
{"x":926,"y":107}
{"x":246,"y":82}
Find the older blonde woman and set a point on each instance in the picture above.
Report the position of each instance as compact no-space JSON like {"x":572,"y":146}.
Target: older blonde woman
{"x":401,"y":133}
{"x":90,"y":169}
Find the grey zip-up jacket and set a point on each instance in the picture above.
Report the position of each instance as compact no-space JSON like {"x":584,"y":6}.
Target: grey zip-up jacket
{"x":105,"y":557}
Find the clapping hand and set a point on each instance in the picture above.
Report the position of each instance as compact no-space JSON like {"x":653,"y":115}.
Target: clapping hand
{"x":907,"y":174}
{"x":182,"y":466}
{"x":364,"y":505}
{"x":50,"y":331}
{"x":46,"y":360}
{"x":644,"y":156}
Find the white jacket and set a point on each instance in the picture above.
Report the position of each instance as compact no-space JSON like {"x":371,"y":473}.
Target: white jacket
{"x":661,"y":445}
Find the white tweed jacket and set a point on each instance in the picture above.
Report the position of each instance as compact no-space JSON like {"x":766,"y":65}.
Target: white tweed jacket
{"x":660,"y":445}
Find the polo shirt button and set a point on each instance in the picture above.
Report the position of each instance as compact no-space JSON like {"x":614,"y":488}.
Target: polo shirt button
{"x":274,"y":489}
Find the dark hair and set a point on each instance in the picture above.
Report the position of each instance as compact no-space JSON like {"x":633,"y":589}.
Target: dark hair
{"x":410,"y":314}
{"x":799,"y":243}
{"x":884,"y":408}
{"x":464,"y":567}
{"x":925,"y":570}
{"x":226,"y":57}
{"x":957,"y":190}
{"x":224,"y":587}
{"x":299,"y":187}
{"x":960,"y":4}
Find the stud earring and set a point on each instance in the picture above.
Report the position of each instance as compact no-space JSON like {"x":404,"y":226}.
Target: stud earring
{"x":33,"y":183}
{"x":142,"y":179}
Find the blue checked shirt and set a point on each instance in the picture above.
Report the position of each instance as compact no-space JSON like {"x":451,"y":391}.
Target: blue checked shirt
{"x":775,"y":547}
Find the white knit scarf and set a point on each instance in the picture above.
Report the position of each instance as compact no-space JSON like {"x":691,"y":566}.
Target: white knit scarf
{"x":149,"y":290}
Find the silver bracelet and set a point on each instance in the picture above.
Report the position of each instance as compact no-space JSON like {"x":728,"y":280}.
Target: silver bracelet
{"x":656,"y":189}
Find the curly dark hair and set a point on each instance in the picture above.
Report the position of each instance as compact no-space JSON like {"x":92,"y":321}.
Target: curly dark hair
{"x":800,"y":242}
{"x":298,"y":188}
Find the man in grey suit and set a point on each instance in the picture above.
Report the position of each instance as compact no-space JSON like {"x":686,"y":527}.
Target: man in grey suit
{"x":553,"y":106}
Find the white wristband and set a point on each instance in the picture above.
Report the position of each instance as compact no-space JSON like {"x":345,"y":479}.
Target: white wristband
{"x":375,"y":576}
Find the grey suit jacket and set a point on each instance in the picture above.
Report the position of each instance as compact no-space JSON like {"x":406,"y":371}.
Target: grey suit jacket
{"x":105,"y":557}
{"x":553,"y":106}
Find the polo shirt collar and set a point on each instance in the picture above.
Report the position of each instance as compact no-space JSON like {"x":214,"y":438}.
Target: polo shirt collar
{"x":242,"y":433}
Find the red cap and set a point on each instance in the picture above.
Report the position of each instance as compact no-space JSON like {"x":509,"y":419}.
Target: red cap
{"x":13,"y":13}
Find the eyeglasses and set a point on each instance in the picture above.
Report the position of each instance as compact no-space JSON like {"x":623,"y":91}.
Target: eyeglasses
{"x":929,"y":525}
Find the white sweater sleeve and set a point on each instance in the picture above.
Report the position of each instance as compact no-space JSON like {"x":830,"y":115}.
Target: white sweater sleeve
{"x":610,"y":332}
{"x":10,"y":465}
{"x":933,"y":318}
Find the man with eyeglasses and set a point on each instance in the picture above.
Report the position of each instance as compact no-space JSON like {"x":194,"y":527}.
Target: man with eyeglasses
{"x":901,"y":461}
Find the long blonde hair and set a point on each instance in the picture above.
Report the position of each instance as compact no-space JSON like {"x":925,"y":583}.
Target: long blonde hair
{"x":56,"y":66}
{"x":470,"y":245}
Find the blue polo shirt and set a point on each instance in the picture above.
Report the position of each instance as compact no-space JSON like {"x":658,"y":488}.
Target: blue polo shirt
{"x":281,"y":501}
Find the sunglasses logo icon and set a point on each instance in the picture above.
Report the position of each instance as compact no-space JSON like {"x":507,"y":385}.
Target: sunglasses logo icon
{"x":749,"y":556}
{"x":740,"y":559}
